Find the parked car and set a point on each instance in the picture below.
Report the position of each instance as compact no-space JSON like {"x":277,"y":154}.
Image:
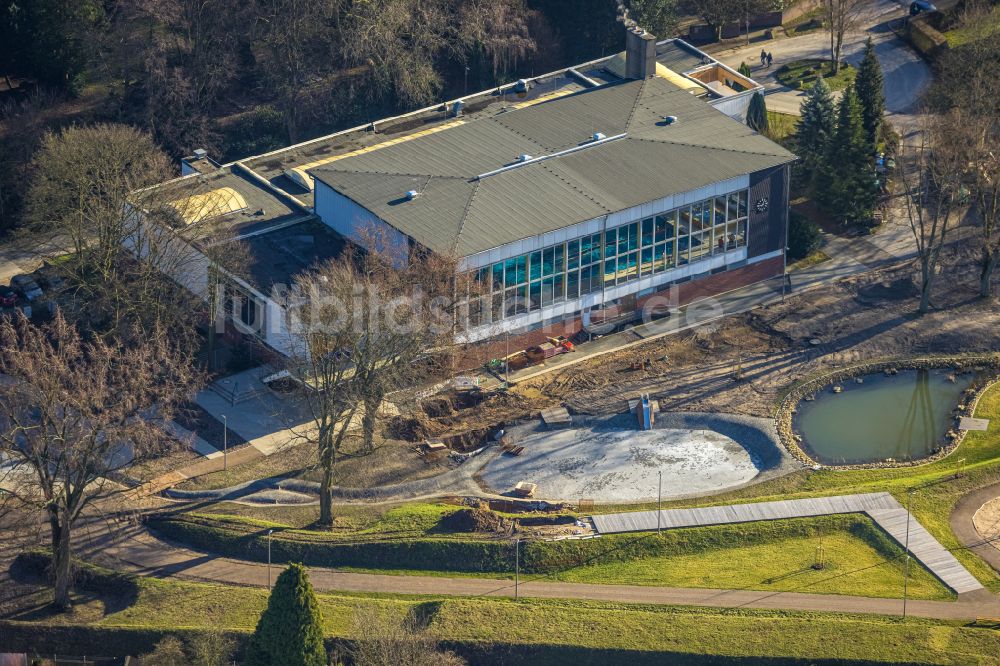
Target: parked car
{"x":918,"y":6}
{"x":8,"y":298}
{"x":26,"y":286}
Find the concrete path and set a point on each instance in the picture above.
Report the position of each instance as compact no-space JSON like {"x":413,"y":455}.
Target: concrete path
{"x":882,"y":508}
{"x":133,"y":549}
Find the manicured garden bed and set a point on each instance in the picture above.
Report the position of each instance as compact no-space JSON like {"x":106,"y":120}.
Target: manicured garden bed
{"x":802,"y":74}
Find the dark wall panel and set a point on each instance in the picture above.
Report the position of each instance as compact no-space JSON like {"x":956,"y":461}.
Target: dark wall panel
{"x":767,"y":229}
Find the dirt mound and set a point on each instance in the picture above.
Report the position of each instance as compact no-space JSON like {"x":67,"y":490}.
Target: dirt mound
{"x":468,"y":440}
{"x":412,"y":428}
{"x":448,"y":403}
{"x":887,"y":290}
{"x":477,"y":519}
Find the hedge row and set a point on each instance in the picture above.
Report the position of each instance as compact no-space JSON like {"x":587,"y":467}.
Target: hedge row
{"x":479,"y":556}
{"x":425,"y":553}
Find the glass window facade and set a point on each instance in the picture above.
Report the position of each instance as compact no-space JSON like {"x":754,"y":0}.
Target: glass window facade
{"x":567,"y":271}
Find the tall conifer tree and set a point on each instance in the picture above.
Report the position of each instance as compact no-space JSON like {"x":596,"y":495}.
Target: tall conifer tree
{"x":289,"y":631}
{"x":815,"y":129}
{"x":850,"y":187}
{"x":870,"y":94}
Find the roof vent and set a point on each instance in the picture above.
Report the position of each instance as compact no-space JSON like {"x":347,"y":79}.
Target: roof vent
{"x":523,"y":157}
{"x":411,"y":195}
{"x":669,"y":120}
{"x":521,"y":85}
{"x":599,"y":136}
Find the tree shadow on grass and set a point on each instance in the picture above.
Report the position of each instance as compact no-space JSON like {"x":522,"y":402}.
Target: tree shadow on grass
{"x":114,"y":591}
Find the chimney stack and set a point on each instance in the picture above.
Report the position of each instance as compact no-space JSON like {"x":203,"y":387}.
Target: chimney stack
{"x":640,"y":54}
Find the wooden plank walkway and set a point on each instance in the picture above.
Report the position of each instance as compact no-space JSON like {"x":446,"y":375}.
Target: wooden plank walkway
{"x":882,"y":508}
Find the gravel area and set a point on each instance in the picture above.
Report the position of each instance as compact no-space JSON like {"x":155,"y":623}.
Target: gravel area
{"x":607,"y":459}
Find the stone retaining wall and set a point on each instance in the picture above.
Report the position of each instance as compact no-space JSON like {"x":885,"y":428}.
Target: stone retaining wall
{"x":786,"y":410}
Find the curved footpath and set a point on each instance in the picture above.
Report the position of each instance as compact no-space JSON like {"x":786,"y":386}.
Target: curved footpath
{"x":134,"y":549}
{"x":965,"y":530}
{"x":756,"y":435}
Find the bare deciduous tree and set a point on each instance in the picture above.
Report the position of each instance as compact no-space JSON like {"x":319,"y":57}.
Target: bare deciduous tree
{"x":114,"y":237}
{"x":323,"y":340}
{"x":498,"y":29}
{"x":292,"y":34}
{"x":932,"y":175}
{"x":970,"y":94}
{"x":366,"y":326}
{"x":842,"y":16}
{"x":75,"y":414}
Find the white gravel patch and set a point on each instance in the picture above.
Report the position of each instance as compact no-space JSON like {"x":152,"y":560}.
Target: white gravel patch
{"x":620,"y":465}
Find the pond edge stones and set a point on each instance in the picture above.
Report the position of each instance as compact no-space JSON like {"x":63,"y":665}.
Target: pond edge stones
{"x":807,"y":390}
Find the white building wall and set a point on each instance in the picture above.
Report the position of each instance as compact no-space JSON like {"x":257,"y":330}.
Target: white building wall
{"x":736,"y":106}
{"x":357,"y":223}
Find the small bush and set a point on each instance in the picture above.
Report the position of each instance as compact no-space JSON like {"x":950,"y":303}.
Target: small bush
{"x":803,"y":235}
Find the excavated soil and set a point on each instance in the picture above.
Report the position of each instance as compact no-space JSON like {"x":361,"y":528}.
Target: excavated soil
{"x":477,"y":519}
{"x":864,"y":317}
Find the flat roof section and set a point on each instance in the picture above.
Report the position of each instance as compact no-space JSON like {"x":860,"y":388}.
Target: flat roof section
{"x":263,"y":209}
{"x":278,"y":257}
{"x":325,"y":150}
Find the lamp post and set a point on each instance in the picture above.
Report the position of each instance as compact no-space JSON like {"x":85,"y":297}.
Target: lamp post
{"x":269,"y":558}
{"x":659,"y":499}
{"x":517,"y":566}
{"x":225,"y":443}
{"x":906,"y":564}
{"x":748,"y":22}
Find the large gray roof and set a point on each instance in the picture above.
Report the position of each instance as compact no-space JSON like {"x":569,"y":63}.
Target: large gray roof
{"x":458,"y":212}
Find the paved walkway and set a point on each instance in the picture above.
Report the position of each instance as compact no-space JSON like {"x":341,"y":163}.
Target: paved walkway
{"x":882,"y":508}
{"x":133,"y":549}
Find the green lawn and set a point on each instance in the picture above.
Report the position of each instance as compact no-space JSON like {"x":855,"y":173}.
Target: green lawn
{"x":851,"y":566}
{"x":802,"y":74}
{"x":781,"y":127}
{"x":808,"y":22}
{"x":768,"y":555}
{"x":813,"y":258}
{"x":577,"y":631}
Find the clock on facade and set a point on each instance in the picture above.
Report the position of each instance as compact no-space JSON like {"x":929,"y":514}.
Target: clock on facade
{"x":761,"y":205}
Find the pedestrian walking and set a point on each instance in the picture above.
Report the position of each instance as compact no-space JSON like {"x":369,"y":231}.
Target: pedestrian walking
{"x":763,"y":57}
{"x":770,"y":59}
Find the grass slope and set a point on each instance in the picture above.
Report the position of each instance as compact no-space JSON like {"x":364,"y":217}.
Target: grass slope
{"x":767,"y":555}
{"x":574,"y":632}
